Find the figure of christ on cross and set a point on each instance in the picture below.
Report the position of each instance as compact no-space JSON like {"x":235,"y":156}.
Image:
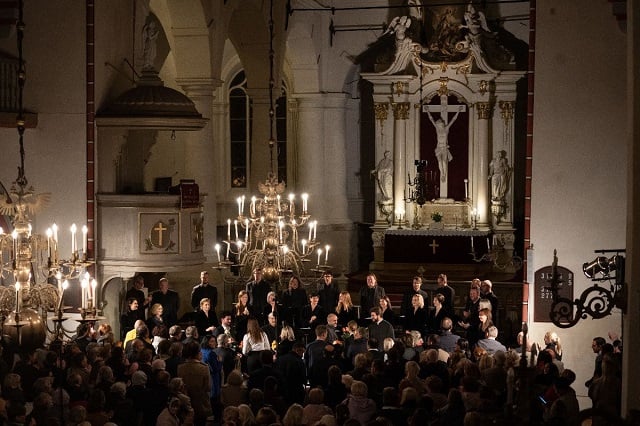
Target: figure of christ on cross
{"x":442,"y":126}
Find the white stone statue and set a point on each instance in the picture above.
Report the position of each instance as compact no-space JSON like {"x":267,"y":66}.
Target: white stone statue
{"x":384,"y":175}
{"x":399,"y":26}
{"x":476,"y":23}
{"x":150,"y":34}
{"x":442,"y":148}
{"x":499,"y":173}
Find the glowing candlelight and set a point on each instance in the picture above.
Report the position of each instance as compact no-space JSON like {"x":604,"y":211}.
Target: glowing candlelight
{"x":304,"y":246}
{"x":217,"y":247}
{"x":73,"y":239}
{"x":278,"y":200}
{"x":242,"y":205}
{"x":319,"y":254}
{"x":83,"y":286}
{"x":65,"y":285}
{"x":85,"y":231}
{"x":239,"y":200}
{"x":246,"y":229}
{"x":326,"y":253}
{"x":280,"y":226}
{"x":228,"y":229}
{"x":310,"y":230}
{"x":305,"y":198}
{"x":315,"y":228}
{"x":252,"y":206}
{"x":235,"y":225}
{"x":466,"y":189}
{"x":94,"y":284}
{"x":228,"y":246}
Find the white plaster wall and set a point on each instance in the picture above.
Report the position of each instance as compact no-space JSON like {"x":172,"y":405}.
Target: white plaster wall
{"x":579,"y":164}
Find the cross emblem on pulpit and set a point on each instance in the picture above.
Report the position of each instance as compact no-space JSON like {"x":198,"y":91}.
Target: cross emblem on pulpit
{"x":433,"y":246}
{"x":159,"y":234}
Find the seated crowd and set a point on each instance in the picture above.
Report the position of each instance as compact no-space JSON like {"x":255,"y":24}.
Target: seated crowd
{"x":298,"y":359}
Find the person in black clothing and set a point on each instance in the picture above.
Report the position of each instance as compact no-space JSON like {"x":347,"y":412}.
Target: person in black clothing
{"x":206,"y":320}
{"x":258,"y":289}
{"x":129,"y":317}
{"x":293,"y":299}
{"x":226,"y":355}
{"x":136,"y":291}
{"x":486,"y":292}
{"x":448,"y":293}
{"x":416,"y":288}
{"x":203,"y":290}
{"x":272,"y":307}
{"x":313,"y":314}
{"x":293,"y":369}
{"x":370,"y":295}
{"x":271,"y":328}
{"x":328,"y":293}
{"x":170,"y":301}
{"x":416,"y":318}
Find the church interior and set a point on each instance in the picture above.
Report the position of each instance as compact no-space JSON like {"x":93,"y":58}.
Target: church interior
{"x":478,"y":139}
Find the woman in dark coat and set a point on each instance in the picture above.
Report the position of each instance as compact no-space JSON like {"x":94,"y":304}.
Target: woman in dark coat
{"x":206,"y":320}
{"x":416,"y":318}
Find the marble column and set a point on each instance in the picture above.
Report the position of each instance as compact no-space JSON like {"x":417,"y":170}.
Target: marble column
{"x":400,"y":116}
{"x":199,"y":155}
{"x":481,"y":201}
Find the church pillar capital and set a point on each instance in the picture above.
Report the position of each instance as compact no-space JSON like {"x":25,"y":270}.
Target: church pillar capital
{"x":199,"y":87}
{"x":484,"y":110}
{"x":506,"y":110}
{"x":401,"y":110}
{"x":381,"y":110}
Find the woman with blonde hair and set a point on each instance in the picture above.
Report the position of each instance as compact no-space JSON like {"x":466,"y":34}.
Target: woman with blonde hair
{"x":287,"y":339}
{"x":416,"y":317}
{"x":293,"y":416}
{"x":253,"y":343}
{"x":206,"y":320}
{"x":552,"y":341}
{"x":345,"y":310}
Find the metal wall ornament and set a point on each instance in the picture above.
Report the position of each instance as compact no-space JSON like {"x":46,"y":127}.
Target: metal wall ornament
{"x":596,"y":301}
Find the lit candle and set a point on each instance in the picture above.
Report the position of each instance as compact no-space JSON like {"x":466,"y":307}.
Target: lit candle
{"x":54,"y":229}
{"x":304,"y":246}
{"x":326,"y":253}
{"x":235,"y":225}
{"x":228,"y":246}
{"x":83,"y":285}
{"x":305,"y":198}
{"x":239,"y":200}
{"x":94,"y":284}
{"x":285,"y":250}
{"x":228,"y":229}
{"x":49,"y":234}
{"x":252,"y":206}
{"x":246,"y":229}
{"x":14,"y":235}
{"x":280,"y":226}
{"x":319,"y":254}
{"x":17,"y":285}
{"x":466,"y":189}
{"x":217,"y":247}
{"x":85,"y":231}
{"x":73,"y":239}
{"x":242,"y":209}
{"x":291,"y":206}
{"x":278,"y":200}
{"x":310,"y":229}
{"x":29,"y":229}
{"x":65,"y":285}
{"x":315,"y":228}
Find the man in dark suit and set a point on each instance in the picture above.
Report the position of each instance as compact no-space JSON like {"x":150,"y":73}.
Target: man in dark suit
{"x":315,"y":349}
{"x":169,"y":299}
{"x":358,"y":345}
{"x":203,"y":290}
{"x":328,"y":293}
{"x":448,"y":340}
{"x":486,"y":292}
{"x":258,"y":290}
{"x":136,"y":292}
{"x":293,"y":369}
{"x":447,"y":291}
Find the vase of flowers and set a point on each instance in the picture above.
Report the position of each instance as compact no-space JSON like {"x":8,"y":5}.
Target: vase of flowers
{"x":436,"y":221}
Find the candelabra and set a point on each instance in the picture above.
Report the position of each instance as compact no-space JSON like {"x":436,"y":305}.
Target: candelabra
{"x":28,"y":261}
{"x":417,"y":191}
{"x":273,"y":236}
{"x":497,"y":255}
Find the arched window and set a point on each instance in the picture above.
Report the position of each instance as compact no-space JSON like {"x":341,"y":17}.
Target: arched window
{"x":240,"y":114}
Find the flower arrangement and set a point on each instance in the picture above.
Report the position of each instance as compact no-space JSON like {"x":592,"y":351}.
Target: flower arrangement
{"x":436,"y":216}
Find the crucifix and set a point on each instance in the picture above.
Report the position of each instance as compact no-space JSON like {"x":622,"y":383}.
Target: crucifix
{"x":442,"y":126}
{"x":160,"y":228}
{"x":434,"y":245}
